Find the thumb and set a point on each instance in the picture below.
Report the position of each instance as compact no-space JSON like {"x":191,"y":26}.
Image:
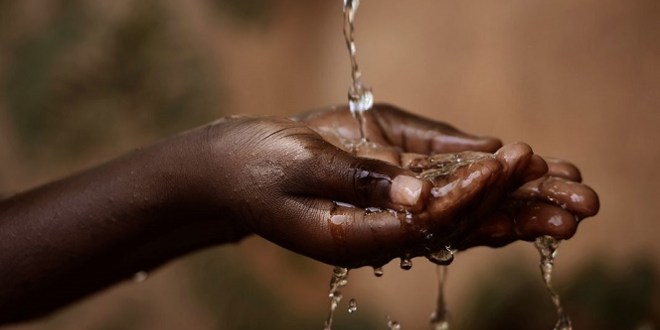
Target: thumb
{"x":337,"y":175}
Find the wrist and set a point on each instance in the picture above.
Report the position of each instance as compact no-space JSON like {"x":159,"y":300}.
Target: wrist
{"x":188,"y":172}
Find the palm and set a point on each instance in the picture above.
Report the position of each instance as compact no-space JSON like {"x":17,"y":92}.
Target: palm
{"x":492,"y":199}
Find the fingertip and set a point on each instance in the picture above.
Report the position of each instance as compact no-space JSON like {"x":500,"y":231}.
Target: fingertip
{"x":563,"y":169}
{"x":576,"y":197}
{"x":536,"y":168}
{"x":409,"y":193}
{"x":488,"y":144}
{"x":538,"y":219}
{"x":591,"y":203}
{"x":514,"y":151}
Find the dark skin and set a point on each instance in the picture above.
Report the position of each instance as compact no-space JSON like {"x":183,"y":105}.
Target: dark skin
{"x":297,"y":183}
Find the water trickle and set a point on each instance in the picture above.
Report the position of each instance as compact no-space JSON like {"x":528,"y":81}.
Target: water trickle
{"x":547,"y":247}
{"x":352,"y":305}
{"x":378,"y":271}
{"x":338,"y":280}
{"x":360,"y":97}
{"x":406,"y":263}
{"x":440,"y":317}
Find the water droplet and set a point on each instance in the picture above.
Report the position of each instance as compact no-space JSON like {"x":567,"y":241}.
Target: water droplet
{"x":340,"y":272}
{"x":352,"y":306}
{"x":378,"y":271}
{"x":393,"y":325}
{"x":439,"y":325}
{"x":370,"y":210}
{"x":406,"y":264}
{"x":140,"y":276}
{"x":409,"y":218}
{"x":442,"y":257}
{"x":360,"y":98}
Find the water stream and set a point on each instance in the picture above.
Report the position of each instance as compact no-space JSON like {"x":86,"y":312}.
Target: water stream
{"x":547,"y":247}
{"x":360,"y":97}
{"x":360,"y":100}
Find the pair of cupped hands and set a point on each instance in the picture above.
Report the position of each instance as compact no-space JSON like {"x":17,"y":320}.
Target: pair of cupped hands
{"x":309,"y":185}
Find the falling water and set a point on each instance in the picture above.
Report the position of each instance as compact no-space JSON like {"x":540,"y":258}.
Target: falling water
{"x":547,"y":247}
{"x":360,"y":97}
{"x":440,"y":318}
{"x":339,"y":280}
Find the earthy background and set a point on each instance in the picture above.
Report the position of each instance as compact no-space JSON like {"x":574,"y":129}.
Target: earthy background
{"x":84,"y":81}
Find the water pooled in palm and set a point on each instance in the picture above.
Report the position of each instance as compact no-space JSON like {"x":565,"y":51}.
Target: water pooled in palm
{"x":547,"y":247}
{"x":338,"y":280}
{"x":360,"y":97}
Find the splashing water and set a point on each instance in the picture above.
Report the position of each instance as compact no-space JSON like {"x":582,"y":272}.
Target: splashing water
{"x":547,"y":247}
{"x":338,"y":280}
{"x":440,"y":317}
{"x":360,"y":97}
{"x":352,"y":305}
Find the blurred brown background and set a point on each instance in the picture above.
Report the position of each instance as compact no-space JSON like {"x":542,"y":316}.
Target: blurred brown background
{"x":84,"y":81}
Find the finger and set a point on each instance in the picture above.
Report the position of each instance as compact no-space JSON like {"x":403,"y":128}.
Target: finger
{"x":537,"y":219}
{"x":497,"y":230}
{"x":514,"y":159}
{"x":458,"y":192}
{"x":417,"y":134}
{"x":575,"y":197}
{"x":536,"y":168}
{"x":519,"y":164}
{"x":563,"y":169}
{"x":337,"y":175}
{"x":336,"y":233}
{"x":525,"y":221}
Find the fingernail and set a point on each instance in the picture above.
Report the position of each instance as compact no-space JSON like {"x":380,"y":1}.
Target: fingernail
{"x":406,"y":190}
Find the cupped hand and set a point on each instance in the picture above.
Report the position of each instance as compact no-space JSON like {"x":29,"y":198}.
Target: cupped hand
{"x":495,"y":199}
{"x":309,"y":185}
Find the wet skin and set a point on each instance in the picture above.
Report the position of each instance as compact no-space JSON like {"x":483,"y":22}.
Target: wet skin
{"x":295,"y":182}
{"x":499,"y":195}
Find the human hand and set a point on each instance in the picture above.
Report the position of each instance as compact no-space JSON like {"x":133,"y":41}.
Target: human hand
{"x":522,"y":197}
{"x":298,"y":183}
{"x":291,"y":186}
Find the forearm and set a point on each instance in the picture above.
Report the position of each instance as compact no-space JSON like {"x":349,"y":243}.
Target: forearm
{"x":77,"y":235}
